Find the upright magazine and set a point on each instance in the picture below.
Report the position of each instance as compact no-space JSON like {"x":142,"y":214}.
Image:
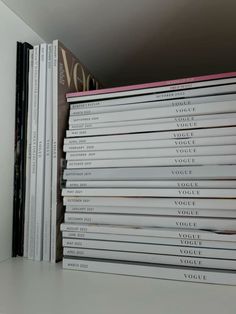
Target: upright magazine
{"x":68,"y":75}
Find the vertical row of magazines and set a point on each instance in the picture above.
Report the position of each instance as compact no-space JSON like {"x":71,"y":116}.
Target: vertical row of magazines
{"x":151,"y":180}
{"x":44,"y":73}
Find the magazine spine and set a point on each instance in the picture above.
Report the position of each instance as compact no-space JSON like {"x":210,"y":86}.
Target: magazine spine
{"x":158,"y":113}
{"x":181,"y":234}
{"x":34,"y":139}
{"x":155,"y":221}
{"x":17,"y":150}
{"x":162,"y":112}
{"x":177,"y":126}
{"x":196,"y":252}
{"x":133,"y":103}
{"x":153,"y":173}
{"x":28,"y":155}
{"x":170,"y":86}
{"x":151,"y":239}
{"x":41,"y":154}
{"x":142,"y":270}
{"x":206,"y":141}
{"x":210,"y":213}
{"x":54,"y":150}
{"x":153,"y":152}
{"x":151,"y":258}
{"x":174,"y":135}
{"x":191,"y":184}
{"x":163,"y":95}
{"x":74,"y":124}
{"x":181,"y":203}
{"x":152,"y":162}
{"x":150,"y":192}
{"x":48,"y":162}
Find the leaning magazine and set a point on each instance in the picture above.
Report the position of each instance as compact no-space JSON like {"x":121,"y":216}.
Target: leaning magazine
{"x":68,"y":75}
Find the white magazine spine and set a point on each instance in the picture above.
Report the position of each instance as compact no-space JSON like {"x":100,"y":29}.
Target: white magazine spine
{"x":48,"y":162}
{"x":206,"y":141}
{"x":161,"y":272}
{"x":154,"y":221}
{"x":155,"y":136}
{"x":193,"y":184}
{"x":152,"y":258}
{"x":152,"y":162}
{"x":150,"y":248}
{"x":153,"y":173}
{"x":28,"y":154}
{"x":220,"y":213}
{"x":153,"y":152}
{"x":144,"y":102}
{"x":41,"y":154}
{"x":34,"y":138}
{"x":182,"y":203}
{"x":161,"y":112}
{"x":181,"y":234}
{"x":211,"y":87}
{"x":150,"y":239}
{"x":175,"y":126}
{"x":74,"y":124}
{"x":54,"y":150}
{"x":151,"y":192}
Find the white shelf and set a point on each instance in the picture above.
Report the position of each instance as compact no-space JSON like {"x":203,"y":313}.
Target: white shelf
{"x":28,"y":287}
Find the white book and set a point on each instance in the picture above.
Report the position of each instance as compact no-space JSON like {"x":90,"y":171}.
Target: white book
{"x":139,"y":104}
{"x":150,"y":248}
{"x":150,"y":192}
{"x":205,"y":141}
{"x":34,"y":139}
{"x":152,"y":162}
{"x":190,"y":89}
{"x":193,"y":184}
{"x":28,"y":153}
{"x":48,"y":162}
{"x":181,"y":234}
{"x":175,"y":126}
{"x":182,"y":203}
{"x":208,"y":172}
{"x":214,"y":213}
{"x":41,"y":154}
{"x":153,"y":136}
{"x":156,"y":271}
{"x":153,"y":152}
{"x":151,"y":239}
{"x":74,"y":124}
{"x":151,"y":258}
{"x":153,"y":221}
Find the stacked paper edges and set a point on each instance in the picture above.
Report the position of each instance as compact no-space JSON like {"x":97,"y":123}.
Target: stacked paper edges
{"x":150,"y":180}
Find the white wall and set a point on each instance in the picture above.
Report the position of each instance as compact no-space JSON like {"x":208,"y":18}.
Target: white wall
{"x":12,"y":28}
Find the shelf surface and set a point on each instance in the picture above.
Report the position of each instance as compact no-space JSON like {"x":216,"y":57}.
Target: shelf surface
{"x":28,"y":287}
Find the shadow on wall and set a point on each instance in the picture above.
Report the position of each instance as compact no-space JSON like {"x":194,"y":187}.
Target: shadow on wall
{"x":196,"y":39}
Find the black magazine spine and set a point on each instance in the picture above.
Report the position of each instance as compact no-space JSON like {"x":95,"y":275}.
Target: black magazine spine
{"x":16,"y":197}
{"x":24,"y":99}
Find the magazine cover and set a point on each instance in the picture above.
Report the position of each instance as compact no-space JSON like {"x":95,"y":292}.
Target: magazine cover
{"x":69,"y":75}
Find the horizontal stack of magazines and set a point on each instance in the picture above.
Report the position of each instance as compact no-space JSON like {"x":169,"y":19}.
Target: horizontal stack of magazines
{"x":150,"y":185}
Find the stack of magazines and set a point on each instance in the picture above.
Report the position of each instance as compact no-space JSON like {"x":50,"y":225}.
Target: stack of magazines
{"x":150,"y":185}
{"x":45,"y":73}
